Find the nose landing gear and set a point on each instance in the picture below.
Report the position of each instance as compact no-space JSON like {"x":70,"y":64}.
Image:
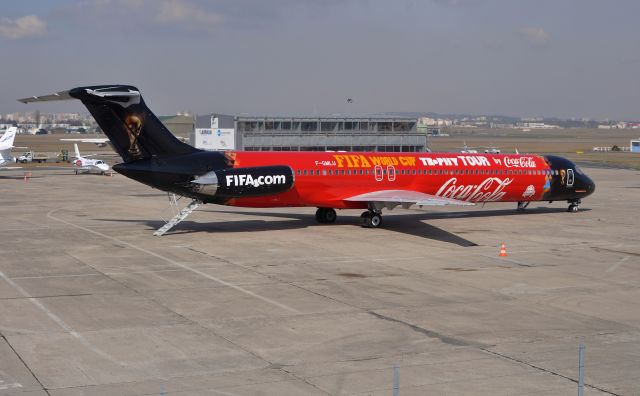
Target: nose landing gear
{"x":574,"y":205}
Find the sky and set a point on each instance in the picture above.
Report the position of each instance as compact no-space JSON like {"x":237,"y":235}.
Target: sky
{"x":527,"y":58}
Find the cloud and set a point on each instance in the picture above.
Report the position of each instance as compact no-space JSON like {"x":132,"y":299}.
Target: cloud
{"x":535,"y":36}
{"x":180,"y":12}
{"x":23,"y":27}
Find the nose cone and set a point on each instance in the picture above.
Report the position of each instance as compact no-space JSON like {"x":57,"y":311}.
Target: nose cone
{"x":589,"y":185}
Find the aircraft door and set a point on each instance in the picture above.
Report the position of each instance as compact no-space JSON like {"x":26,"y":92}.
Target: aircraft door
{"x":391,"y":173}
{"x":570,"y":177}
{"x":379,"y":173}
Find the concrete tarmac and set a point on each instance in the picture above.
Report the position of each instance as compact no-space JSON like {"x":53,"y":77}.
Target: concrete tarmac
{"x":266,"y":302}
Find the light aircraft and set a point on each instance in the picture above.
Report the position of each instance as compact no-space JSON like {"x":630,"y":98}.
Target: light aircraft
{"x":467,"y":150}
{"x":492,"y":150}
{"x":6,"y":145}
{"x":358,"y":180}
{"x":87,"y":165}
{"x":100,"y":142}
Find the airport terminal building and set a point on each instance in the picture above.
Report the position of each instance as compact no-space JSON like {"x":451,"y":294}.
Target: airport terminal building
{"x":387,"y":134}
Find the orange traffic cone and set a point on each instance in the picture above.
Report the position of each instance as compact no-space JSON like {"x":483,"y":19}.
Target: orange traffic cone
{"x":503,"y":251}
{"x":27,"y":175}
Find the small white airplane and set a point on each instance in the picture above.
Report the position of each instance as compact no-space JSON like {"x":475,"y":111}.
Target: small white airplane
{"x":467,"y":150}
{"x":6,"y":144}
{"x":492,"y":150}
{"x":100,"y":142}
{"x":87,"y":165}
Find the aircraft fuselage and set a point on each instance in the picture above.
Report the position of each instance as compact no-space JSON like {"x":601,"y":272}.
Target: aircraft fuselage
{"x":326,"y":179}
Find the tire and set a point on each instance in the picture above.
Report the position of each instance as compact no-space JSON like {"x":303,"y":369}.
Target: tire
{"x":326,"y":215}
{"x":330,"y":216}
{"x":365,"y":218}
{"x":320,"y":215}
{"x":375,"y":221}
{"x":573,"y":208}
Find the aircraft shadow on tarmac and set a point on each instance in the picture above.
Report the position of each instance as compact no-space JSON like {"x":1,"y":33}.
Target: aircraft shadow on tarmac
{"x":410,"y":224}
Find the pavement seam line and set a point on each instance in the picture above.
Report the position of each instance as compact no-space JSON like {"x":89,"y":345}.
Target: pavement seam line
{"x":178,"y":264}
{"x":68,"y":329}
{"x":25,"y":365}
{"x":544,"y":370}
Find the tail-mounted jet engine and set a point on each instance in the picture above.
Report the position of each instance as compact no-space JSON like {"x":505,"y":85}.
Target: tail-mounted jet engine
{"x":244,"y":182}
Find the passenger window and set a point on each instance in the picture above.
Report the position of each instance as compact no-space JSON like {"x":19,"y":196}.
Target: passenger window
{"x":305,"y":172}
{"x":324,"y":172}
{"x":330,"y":172}
{"x":299,"y":172}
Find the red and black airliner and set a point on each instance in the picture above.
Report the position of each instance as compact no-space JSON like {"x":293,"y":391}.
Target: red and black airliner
{"x":327,"y":180}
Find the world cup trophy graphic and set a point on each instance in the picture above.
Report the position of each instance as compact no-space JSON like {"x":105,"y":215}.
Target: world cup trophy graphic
{"x":134,"y":127}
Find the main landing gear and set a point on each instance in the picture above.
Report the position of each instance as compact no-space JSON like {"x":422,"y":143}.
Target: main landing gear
{"x":326,"y":215}
{"x":574,"y":205}
{"x":522,"y":205}
{"x":371,"y":219}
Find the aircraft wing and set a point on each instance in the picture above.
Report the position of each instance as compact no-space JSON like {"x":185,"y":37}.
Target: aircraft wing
{"x":406,"y":198}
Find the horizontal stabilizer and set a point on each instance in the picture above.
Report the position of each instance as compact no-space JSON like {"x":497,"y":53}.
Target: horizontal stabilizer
{"x":62,"y":95}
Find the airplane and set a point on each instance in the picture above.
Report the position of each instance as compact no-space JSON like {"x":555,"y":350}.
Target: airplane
{"x":467,"y":150}
{"x":100,"y":142}
{"x":492,"y":150}
{"x":357,"y":180}
{"x":87,"y":165}
{"x":6,"y":145}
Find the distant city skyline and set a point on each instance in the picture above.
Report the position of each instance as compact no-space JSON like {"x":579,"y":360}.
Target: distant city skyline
{"x":531,"y":58}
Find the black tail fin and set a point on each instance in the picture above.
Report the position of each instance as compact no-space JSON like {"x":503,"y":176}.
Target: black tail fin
{"x":135,"y":132}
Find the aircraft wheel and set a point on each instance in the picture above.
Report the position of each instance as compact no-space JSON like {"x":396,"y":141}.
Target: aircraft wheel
{"x":366,"y":219}
{"x":330,"y":215}
{"x":376,"y":220}
{"x":319,"y":215}
{"x":76,"y":171}
{"x":371,"y":219}
{"x":326,"y":215}
{"x":573,"y":208}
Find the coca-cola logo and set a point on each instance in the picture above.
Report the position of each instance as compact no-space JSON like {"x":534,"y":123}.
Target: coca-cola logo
{"x":490,"y":190}
{"x":519,"y":162}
